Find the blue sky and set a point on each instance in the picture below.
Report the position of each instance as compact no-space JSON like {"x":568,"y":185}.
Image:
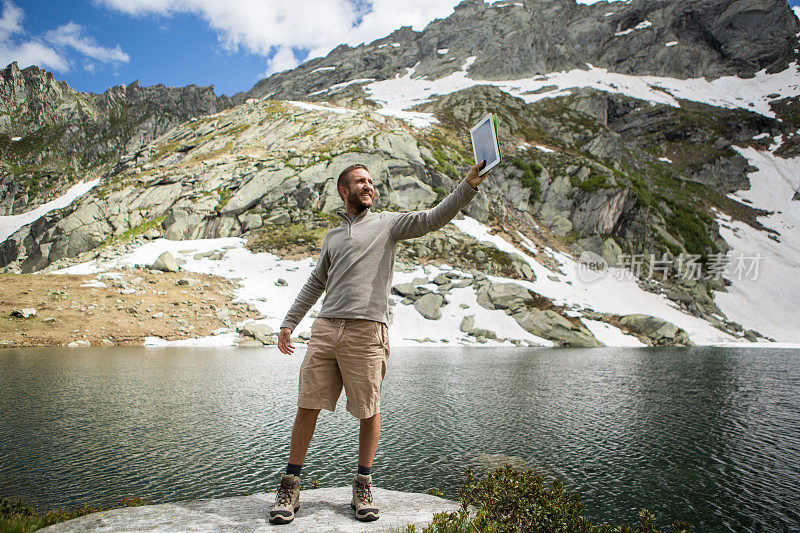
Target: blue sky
{"x":95,"y":44}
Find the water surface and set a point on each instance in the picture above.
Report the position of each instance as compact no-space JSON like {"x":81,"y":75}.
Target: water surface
{"x":706,"y":435}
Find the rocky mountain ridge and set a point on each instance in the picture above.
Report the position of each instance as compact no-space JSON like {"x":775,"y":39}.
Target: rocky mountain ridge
{"x":51,"y":136}
{"x":585,"y":170}
{"x":516,"y":39}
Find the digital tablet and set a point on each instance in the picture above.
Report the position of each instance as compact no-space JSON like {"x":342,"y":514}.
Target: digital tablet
{"x":484,"y":142}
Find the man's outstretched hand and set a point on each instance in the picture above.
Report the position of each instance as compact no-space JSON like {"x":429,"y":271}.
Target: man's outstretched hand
{"x":285,"y":341}
{"x":472,"y":176}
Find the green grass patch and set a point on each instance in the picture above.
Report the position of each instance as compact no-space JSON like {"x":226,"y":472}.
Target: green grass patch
{"x":285,"y":238}
{"x":530,"y":176}
{"x":138,"y":230}
{"x":509,"y":500}
{"x":498,"y":257}
{"x":224,"y":198}
{"x":594,"y":182}
{"x":688,"y":225}
{"x":17,"y":517}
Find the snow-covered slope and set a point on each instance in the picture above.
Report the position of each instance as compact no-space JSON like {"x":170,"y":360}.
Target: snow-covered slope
{"x":397,"y":96}
{"x":764,"y":267}
{"x":11,"y":223}
{"x":259,"y":273}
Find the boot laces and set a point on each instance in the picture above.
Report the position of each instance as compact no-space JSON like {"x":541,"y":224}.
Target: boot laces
{"x":364,"y":492}
{"x":285,"y":493}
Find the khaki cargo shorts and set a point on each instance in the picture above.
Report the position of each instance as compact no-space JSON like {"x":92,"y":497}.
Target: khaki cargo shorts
{"x":349,"y":352}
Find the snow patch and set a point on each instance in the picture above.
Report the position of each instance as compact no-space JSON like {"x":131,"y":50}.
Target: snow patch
{"x":320,"y":69}
{"x":671,"y":43}
{"x":11,"y":223}
{"x":640,"y":26}
{"x":765,"y":299}
{"x":752,"y":94}
{"x":442,"y":51}
{"x":611,"y":335}
{"x":336,"y":87}
{"x":617,"y":292}
{"x":16,"y":139}
{"x":316,"y":107}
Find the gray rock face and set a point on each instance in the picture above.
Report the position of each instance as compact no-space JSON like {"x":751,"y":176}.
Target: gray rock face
{"x":404,"y":289}
{"x":524,"y":39}
{"x":504,"y":296}
{"x":260,"y":332}
{"x":166,"y":263}
{"x":430,"y":305}
{"x":550,"y":325}
{"x":659,"y":331}
{"x":321,"y":510}
{"x":66,"y":133}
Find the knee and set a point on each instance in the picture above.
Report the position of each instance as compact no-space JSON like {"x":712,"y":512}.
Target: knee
{"x":371,"y":421}
{"x":307,"y":414}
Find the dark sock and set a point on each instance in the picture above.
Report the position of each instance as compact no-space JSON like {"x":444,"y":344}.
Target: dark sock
{"x":365,"y":470}
{"x":293,"y":469}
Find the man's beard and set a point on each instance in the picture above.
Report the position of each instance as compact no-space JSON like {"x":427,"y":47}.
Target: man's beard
{"x":355,"y":200}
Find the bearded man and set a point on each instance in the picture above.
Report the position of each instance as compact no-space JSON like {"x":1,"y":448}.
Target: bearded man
{"x":349,"y":345}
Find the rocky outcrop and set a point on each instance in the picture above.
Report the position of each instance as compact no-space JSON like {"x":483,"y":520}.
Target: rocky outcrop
{"x":190,"y":183}
{"x":514,"y":39}
{"x":322,"y":510}
{"x":518,"y":302}
{"x":658,"y":331}
{"x":65,"y":135}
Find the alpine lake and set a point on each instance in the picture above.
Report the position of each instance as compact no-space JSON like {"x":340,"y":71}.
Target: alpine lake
{"x":707,"y":435}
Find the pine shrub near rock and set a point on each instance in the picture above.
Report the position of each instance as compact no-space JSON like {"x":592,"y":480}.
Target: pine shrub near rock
{"x":509,"y":500}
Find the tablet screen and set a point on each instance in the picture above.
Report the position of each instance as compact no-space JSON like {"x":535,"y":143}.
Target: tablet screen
{"x":483,"y":137}
{"x":484,"y":143}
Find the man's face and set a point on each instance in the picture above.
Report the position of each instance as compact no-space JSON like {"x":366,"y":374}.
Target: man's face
{"x":361,"y":193}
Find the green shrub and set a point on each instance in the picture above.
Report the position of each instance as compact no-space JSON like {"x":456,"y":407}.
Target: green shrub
{"x":689,"y":225}
{"x":594,"y":182}
{"x":17,"y":517}
{"x":509,"y":500}
{"x":530,"y":172}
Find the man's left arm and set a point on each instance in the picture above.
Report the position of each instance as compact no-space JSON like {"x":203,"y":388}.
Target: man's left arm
{"x":418,"y":223}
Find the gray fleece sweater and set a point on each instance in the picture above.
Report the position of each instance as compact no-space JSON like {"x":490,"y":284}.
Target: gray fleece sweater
{"x":356,"y":263}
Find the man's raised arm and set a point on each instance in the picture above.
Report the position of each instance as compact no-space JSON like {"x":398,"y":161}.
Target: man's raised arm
{"x":418,"y":223}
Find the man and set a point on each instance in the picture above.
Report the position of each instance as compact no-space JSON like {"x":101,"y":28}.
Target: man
{"x":349,"y":342}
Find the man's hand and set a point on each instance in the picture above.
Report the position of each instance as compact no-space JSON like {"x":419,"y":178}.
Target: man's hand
{"x":285,"y":341}
{"x":472,"y":176}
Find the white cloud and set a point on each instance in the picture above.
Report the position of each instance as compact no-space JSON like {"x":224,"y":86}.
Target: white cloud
{"x":271,"y":28}
{"x":71,"y":35}
{"x":51,"y":52}
{"x":32,"y":53}
{"x":284,"y":59}
{"x":25,"y":53}
{"x":11,"y":20}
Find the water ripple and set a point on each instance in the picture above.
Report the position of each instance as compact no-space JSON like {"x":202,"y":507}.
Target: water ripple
{"x":709,"y":436}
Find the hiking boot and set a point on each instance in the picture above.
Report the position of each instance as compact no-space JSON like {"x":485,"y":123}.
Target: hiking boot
{"x":365,"y":508}
{"x":287,"y":501}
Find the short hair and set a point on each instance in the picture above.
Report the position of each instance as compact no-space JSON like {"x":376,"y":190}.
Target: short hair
{"x":344,"y":176}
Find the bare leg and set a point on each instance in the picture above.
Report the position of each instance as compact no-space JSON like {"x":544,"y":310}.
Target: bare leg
{"x":368,"y":435}
{"x":304,"y":424}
